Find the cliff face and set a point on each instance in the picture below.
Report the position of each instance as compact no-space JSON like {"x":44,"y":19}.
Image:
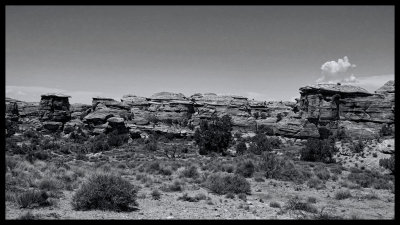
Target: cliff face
{"x":351,"y":108}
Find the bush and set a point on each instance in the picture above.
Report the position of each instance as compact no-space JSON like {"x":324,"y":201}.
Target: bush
{"x":245,"y":169}
{"x":114,"y":139}
{"x":342,"y":194}
{"x":32,"y":198}
{"x":256,"y":115}
{"x":223,"y":183}
{"x":295,"y":203}
{"x":214,"y":136}
{"x":280,"y":168}
{"x":368,"y":178}
{"x":388,"y":164}
{"x":156,"y":194}
{"x":385,"y":131}
{"x":358,"y":147}
{"x":28,"y":216}
{"x":274,"y":205}
{"x":99,"y":144}
{"x":191,"y":172}
{"x":241,"y":148}
{"x":263,"y":116}
{"x":318,"y":151}
{"x":268,"y":130}
{"x":260,"y":143}
{"x":105,"y":192}
{"x":186,"y":197}
{"x":175,"y":186}
{"x":322,"y":173}
{"x":315,"y":183}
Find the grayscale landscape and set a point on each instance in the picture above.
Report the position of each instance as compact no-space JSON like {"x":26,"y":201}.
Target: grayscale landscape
{"x":199,"y":112}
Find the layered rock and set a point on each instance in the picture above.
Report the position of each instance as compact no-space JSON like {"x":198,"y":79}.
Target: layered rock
{"x":54,"y":107}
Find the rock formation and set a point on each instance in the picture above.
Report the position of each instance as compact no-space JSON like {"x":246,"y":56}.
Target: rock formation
{"x":54,"y":111}
{"x":332,"y":106}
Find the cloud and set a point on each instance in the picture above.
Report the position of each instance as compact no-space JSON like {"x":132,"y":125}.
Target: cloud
{"x":333,"y":71}
{"x":33,"y":93}
{"x":341,"y":66}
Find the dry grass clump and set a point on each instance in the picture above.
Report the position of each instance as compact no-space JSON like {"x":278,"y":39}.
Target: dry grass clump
{"x":295,"y":204}
{"x":274,"y":204}
{"x":32,"y":198}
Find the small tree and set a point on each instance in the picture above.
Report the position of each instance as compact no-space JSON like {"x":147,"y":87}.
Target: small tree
{"x":256,"y":115}
{"x":214,"y":136}
{"x":388,"y":164}
{"x":241,"y":148}
{"x":260,"y":143}
{"x":263,"y":115}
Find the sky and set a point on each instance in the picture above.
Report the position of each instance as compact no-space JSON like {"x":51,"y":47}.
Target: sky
{"x":261,"y":52}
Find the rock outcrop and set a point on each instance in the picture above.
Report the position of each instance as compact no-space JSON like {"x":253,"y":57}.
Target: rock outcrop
{"x":55,"y":107}
{"x":333,"y":106}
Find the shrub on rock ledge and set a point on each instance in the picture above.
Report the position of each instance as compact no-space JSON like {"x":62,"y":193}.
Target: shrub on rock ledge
{"x":105,"y":192}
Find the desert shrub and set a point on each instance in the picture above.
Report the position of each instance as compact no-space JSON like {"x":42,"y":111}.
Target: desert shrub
{"x":151,"y":118}
{"x":151,"y":143}
{"x":50,"y":184}
{"x":324,"y":132}
{"x":268,"y":130}
{"x":175,"y":186}
{"x":312,"y":200}
{"x":385,"y":131}
{"x":200,"y":196}
{"x":342,"y":194}
{"x":27,"y":216}
{"x":388,"y":163}
{"x":358,"y":146}
{"x":242,"y":196}
{"x":279,"y":117}
{"x":153,"y":167}
{"x":256,"y":115}
{"x":223,"y":183}
{"x":31,"y":134}
{"x":230,"y":195}
{"x":215,"y":135}
{"x":11,"y":128}
{"x":337,"y":170}
{"x":166,"y":171}
{"x":315,"y":183}
{"x":114,"y":139}
{"x":263,"y":116}
{"x":280,"y":168}
{"x":48,"y":144}
{"x":245,"y":169}
{"x":322,"y":173}
{"x":32,"y":198}
{"x":190,"y":172}
{"x":229,"y":168}
{"x":295,"y":203}
{"x":341,"y":134}
{"x":274,"y":205}
{"x":367,"y":178}
{"x":156,"y":194}
{"x":34,"y":155}
{"x":186,"y":197}
{"x":241,"y":148}
{"x":105,"y":192}
{"x":260,"y":143}
{"x":238,"y":135}
{"x":99,"y":144}
{"x":318,"y":151}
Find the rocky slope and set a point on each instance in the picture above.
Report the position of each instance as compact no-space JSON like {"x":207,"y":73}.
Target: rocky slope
{"x":333,"y":106}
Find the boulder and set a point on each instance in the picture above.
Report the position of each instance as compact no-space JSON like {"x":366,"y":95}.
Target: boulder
{"x":55,"y":107}
{"x":118,"y":124}
{"x":52,"y":126}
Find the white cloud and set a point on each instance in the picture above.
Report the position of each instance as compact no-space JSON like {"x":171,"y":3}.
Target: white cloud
{"x":341,"y":66}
